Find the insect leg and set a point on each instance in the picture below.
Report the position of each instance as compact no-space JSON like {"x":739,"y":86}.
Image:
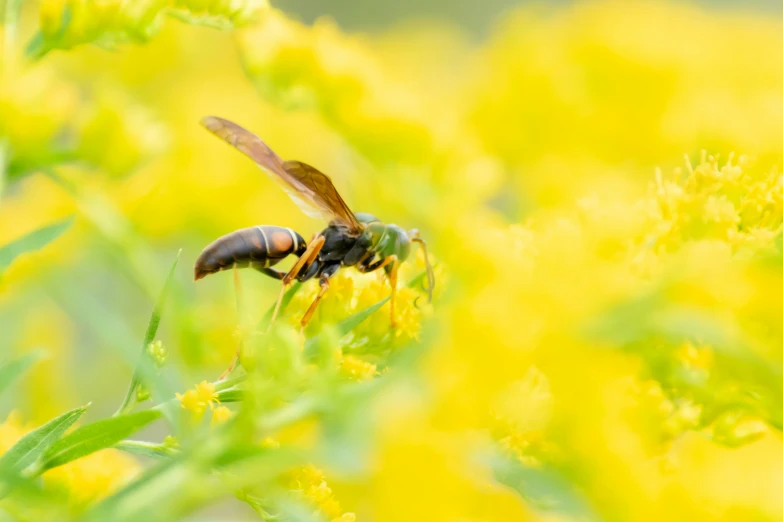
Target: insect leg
{"x":272,"y":272}
{"x":324,"y":282}
{"x":305,"y":259}
{"x":393,"y":282}
{"x":391,"y":273}
{"x":371,"y":266}
{"x":313,"y":270}
{"x":416,"y":237}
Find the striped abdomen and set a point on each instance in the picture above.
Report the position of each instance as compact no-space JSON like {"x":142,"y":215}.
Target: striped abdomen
{"x":256,"y":247}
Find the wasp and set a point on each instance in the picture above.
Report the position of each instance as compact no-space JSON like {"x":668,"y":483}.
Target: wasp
{"x":351,"y":239}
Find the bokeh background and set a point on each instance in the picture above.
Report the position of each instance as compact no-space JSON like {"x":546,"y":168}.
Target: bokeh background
{"x":597,"y":183}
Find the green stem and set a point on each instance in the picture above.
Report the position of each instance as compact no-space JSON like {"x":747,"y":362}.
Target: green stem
{"x":152,"y":328}
{"x":143,"y":447}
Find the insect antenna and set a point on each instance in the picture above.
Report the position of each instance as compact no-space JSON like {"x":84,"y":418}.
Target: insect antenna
{"x":430,"y":273}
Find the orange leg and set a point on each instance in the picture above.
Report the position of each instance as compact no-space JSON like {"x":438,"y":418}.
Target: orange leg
{"x":386,"y":261}
{"x":305,"y":260}
{"x":311,"y":310}
{"x":392,"y":281}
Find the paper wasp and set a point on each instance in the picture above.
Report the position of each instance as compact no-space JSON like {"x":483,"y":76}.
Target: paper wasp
{"x":360,"y":240}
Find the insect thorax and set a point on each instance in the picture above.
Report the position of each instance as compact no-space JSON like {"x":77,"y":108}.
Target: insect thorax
{"x":387,"y":240}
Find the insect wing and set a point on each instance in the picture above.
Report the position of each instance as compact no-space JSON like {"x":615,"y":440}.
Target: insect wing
{"x":311,"y":190}
{"x":325,"y":195}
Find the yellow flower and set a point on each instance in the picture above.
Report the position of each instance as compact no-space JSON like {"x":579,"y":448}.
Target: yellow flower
{"x":220,"y":415}
{"x":356,"y":369}
{"x":408,"y":317}
{"x":309,"y":475}
{"x":93,"y":477}
{"x":190,"y":401}
{"x":198,"y":399}
{"x":321,"y":495}
{"x":309,"y":480}
{"x":11,"y":430}
{"x":206,"y":392}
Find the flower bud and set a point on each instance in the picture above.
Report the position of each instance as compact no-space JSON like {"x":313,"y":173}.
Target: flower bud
{"x":158,"y":353}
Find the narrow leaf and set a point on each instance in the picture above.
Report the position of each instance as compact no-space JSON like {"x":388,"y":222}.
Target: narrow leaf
{"x":149,"y":336}
{"x":33,"y":241}
{"x":35,"y":47}
{"x":232,"y":395}
{"x":346,"y":325}
{"x":96,"y":436}
{"x":32,"y":445}
{"x":12,"y":370}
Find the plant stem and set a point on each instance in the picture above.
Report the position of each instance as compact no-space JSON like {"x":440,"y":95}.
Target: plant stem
{"x":152,"y":449}
{"x":149,"y":336}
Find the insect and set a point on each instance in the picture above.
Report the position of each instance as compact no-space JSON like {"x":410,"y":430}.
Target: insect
{"x":350,"y":239}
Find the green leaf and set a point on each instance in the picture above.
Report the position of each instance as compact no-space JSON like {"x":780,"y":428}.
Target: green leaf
{"x":232,"y":395}
{"x":149,"y":336}
{"x":35,"y":47}
{"x":346,"y":325}
{"x":33,"y":241}
{"x":34,"y":444}
{"x":12,"y":370}
{"x":96,"y":436}
{"x":38,"y":45}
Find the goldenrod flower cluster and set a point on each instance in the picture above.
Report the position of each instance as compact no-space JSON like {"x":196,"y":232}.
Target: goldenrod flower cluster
{"x":350,"y":293}
{"x":355,"y":368}
{"x":93,"y":477}
{"x":66,"y":23}
{"x":310,"y":482}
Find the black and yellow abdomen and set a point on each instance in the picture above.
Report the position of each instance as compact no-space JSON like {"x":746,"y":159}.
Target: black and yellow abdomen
{"x":255,"y":247}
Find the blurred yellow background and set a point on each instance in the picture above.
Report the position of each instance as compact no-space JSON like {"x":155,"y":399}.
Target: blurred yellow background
{"x":595,"y":180}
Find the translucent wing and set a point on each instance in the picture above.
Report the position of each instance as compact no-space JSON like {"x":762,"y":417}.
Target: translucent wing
{"x":326,"y":196}
{"x":311,"y":190}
